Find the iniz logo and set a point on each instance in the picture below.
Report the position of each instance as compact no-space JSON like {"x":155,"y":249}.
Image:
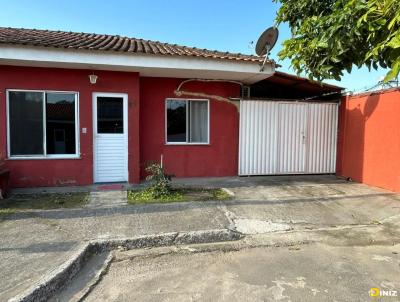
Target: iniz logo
{"x":376,"y":292}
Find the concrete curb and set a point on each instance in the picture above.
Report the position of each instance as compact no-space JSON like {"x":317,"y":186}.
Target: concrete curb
{"x":53,"y":282}
{"x":65,"y":273}
{"x":86,"y":291}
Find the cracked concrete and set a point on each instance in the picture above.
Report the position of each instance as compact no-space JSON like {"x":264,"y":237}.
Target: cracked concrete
{"x":256,"y":226}
{"x":250,"y":274}
{"x":297,"y":209}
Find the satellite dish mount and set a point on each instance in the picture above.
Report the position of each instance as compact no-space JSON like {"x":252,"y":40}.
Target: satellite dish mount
{"x":265,"y":44}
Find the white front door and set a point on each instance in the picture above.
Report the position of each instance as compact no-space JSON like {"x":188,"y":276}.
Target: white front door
{"x":110,"y":133}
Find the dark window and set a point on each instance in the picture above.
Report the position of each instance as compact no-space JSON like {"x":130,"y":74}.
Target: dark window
{"x":26,"y":123}
{"x":110,"y":115}
{"x":176,"y":121}
{"x":27,"y":126}
{"x":60,"y":123}
{"x":187,"y":121}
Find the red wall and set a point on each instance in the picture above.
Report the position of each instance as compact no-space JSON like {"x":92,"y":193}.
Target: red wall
{"x":369,"y":139}
{"x":52,"y":172}
{"x":220,"y":158}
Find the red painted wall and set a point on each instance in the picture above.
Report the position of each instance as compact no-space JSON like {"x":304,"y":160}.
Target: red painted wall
{"x":52,"y":172}
{"x":369,"y":139}
{"x":220,"y":158}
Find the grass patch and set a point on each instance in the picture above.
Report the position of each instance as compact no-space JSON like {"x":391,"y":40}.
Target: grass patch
{"x":4,"y":213}
{"x":44,"y":201}
{"x":177,"y":195}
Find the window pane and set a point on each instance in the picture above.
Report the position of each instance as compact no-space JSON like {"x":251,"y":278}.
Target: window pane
{"x":198,"y":126}
{"x":26,"y":123}
{"x":60,"y":123}
{"x":176,"y":121}
{"x":110,"y":115}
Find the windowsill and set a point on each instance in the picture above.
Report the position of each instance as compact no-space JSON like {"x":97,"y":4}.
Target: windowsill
{"x":187,"y":144}
{"x":44,"y":158}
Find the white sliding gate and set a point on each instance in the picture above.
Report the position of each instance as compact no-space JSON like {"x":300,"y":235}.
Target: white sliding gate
{"x":279,"y":137}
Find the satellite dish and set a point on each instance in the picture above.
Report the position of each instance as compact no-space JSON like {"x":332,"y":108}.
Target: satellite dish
{"x":267,"y":41}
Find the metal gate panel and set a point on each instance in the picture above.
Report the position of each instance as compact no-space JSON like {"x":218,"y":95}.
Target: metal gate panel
{"x":258,"y":141}
{"x":287,"y":137}
{"x":291,"y":138}
{"x":322,"y":136}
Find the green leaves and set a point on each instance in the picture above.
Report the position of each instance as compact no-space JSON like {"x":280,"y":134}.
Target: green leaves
{"x":394,"y":72}
{"x":329,"y":36}
{"x":160,"y":181}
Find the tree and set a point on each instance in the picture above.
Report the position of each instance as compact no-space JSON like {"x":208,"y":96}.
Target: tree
{"x":329,"y":36}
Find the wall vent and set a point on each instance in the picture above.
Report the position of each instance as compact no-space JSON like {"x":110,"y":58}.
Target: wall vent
{"x":245,"y":92}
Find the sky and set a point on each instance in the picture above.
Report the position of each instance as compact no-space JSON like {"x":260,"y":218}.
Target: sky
{"x":226,"y":25}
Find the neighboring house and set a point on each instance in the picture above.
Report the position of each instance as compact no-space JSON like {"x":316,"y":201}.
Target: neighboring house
{"x":77,"y":109}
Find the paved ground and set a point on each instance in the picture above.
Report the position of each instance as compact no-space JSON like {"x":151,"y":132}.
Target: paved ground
{"x":311,"y":273}
{"x":320,"y":208}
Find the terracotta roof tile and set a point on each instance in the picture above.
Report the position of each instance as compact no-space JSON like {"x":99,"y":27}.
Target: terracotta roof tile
{"x":73,"y":40}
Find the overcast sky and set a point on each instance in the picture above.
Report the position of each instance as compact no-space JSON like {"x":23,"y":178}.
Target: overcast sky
{"x":228,"y":25}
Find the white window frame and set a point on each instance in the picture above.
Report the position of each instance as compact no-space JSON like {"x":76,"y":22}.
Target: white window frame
{"x":45,"y":155}
{"x":187,"y":121}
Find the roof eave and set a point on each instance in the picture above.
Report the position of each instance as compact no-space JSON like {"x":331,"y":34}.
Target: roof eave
{"x":150,"y":65}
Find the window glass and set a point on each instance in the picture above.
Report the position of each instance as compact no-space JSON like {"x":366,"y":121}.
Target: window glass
{"x":176,"y":121}
{"x":187,"y":121}
{"x":60,"y":123}
{"x":110,"y":115}
{"x":26,"y":123}
{"x":198,"y":126}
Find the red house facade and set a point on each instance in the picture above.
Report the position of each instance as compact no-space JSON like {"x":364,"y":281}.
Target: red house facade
{"x":78,"y":109}
{"x":60,"y":127}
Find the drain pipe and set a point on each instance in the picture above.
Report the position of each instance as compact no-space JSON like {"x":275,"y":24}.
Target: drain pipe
{"x":179,"y":92}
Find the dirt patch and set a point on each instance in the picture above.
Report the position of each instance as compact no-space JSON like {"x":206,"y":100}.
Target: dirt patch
{"x":178,"y":195}
{"x":20,"y":202}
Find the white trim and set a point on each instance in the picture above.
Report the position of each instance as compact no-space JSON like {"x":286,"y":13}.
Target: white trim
{"x":45,"y":155}
{"x":240,"y":136}
{"x":124,"y":97}
{"x":146,"y":64}
{"x":187,"y":121}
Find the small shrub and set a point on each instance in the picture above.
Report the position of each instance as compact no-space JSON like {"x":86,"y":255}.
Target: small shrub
{"x":160,"y":181}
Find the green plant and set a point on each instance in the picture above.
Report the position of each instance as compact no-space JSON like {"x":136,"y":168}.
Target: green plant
{"x":330,"y":36}
{"x":160,"y":181}
{"x":177,"y":195}
{"x":147,"y":196}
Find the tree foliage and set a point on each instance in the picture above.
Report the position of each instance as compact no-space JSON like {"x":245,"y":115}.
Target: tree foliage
{"x":329,"y":36}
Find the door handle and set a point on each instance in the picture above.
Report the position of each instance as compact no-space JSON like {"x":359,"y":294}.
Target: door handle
{"x":304,"y":137}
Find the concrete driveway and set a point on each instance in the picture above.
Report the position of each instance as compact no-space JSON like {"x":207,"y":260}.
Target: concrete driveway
{"x":304,"y":202}
{"x":287,"y":209}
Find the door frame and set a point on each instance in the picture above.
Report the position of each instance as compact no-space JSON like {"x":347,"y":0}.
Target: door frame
{"x":124,"y":97}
